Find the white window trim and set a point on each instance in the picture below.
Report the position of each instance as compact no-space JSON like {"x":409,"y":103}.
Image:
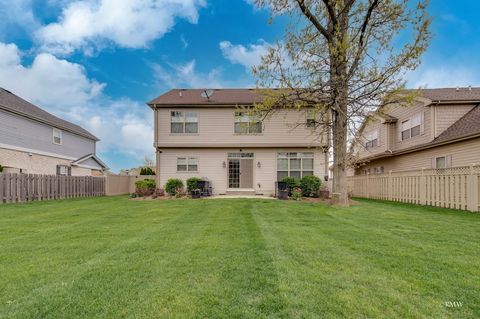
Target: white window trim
{"x":301,"y":158}
{"x":448,"y":161}
{"x":408,"y":122}
{"x":370,"y":137}
{"x":60,"y":133}
{"x":251,"y":121}
{"x":187,"y":158}
{"x":184,"y":122}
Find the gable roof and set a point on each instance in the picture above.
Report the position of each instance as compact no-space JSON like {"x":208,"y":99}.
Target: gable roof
{"x":15,"y":104}
{"x":467,"y":125}
{"x":90,"y":156}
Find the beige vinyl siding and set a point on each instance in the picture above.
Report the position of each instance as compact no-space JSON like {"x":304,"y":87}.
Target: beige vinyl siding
{"x":216,"y":128}
{"x":446,"y":115}
{"x":210,"y":166}
{"x":462,"y":154}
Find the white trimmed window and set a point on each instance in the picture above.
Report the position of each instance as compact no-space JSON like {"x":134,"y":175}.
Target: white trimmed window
{"x":294,"y":165}
{"x":412,"y":127}
{"x":246,"y":123}
{"x":64,"y":170}
{"x":57,"y":136}
{"x":183,"y":122}
{"x":187,"y":164}
{"x":311,"y":120}
{"x":371,"y":139}
{"x":442,"y":162}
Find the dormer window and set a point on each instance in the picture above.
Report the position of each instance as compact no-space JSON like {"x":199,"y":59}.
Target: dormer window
{"x":57,"y":136}
{"x":371,"y":139}
{"x":411,"y":127}
{"x":183,"y":122}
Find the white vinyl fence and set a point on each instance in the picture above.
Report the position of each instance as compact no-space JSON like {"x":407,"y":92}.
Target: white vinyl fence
{"x":456,"y":188}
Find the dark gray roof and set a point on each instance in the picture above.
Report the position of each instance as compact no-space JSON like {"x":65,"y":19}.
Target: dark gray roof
{"x":247,"y":96}
{"x":452,"y":94}
{"x":467,"y":125}
{"x":15,"y":104}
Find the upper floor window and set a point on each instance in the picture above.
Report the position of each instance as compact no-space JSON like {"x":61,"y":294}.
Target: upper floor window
{"x":57,"y":136}
{"x":371,"y":139}
{"x":246,"y":123}
{"x":295,"y":165}
{"x":411,"y":127}
{"x":183,"y":122}
{"x":311,"y":118}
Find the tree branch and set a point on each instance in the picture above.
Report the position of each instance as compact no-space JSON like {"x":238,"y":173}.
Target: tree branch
{"x":314,"y":20}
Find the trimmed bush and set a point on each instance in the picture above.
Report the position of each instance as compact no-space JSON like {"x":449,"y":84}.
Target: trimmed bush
{"x":147,"y":171}
{"x":296,"y":193}
{"x":174,"y":187}
{"x":291,"y":183}
{"x":310,"y":186}
{"x":192,"y":183}
{"x":145,"y":187}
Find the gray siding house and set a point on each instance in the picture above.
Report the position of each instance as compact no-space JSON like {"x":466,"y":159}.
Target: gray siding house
{"x":37,"y":142}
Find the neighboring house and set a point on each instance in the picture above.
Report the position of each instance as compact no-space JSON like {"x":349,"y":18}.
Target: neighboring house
{"x":212,"y":136}
{"x":34,"y":141}
{"x":441,"y":130}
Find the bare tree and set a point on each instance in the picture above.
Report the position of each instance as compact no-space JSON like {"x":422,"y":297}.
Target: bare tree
{"x":344,"y":59}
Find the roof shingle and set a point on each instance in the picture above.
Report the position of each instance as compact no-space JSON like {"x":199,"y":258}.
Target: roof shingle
{"x":467,"y":125}
{"x":16,"y":104}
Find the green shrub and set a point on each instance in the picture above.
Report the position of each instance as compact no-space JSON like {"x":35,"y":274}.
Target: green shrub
{"x":296,"y":193}
{"x":145,"y":187}
{"x":291,"y":183}
{"x":310,"y":186}
{"x":192,"y":183}
{"x":147,"y":171}
{"x":174,"y":186}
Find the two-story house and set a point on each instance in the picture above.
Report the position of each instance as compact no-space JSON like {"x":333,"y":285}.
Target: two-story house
{"x":440,"y":130}
{"x":210,"y":134}
{"x":36,"y":142}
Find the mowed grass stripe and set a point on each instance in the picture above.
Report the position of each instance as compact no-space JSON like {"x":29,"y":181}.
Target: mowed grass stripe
{"x":112,"y":257}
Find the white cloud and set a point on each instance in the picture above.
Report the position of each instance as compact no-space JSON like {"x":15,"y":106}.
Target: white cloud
{"x":185,"y":75}
{"x":443,"y":76}
{"x":248,"y":56}
{"x":16,"y":14}
{"x":64,"y":89}
{"x":89,"y":24}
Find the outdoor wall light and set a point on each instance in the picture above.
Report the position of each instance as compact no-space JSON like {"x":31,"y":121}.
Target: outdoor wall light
{"x":259,"y":164}
{"x":224,"y":164}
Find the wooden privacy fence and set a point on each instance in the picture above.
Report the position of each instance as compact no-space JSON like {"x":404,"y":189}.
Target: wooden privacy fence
{"x":30,"y":187}
{"x":123,"y":184}
{"x":456,"y":188}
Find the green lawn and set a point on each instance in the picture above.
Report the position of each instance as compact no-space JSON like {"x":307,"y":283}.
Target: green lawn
{"x":238,"y":258}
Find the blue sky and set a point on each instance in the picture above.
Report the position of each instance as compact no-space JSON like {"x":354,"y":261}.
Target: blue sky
{"x":96,"y":62}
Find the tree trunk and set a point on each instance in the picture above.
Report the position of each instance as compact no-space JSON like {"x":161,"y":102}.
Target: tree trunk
{"x":339,"y":104}
{"x":340,"y":191}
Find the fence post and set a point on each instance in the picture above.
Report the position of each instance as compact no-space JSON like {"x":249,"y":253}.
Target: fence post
{"x":367,"y":187}
{"x":423,"y":188}
{"x":389,"y":185}
{"x":472,"y":191}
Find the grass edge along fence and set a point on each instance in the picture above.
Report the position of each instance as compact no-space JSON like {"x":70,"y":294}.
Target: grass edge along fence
{"x":16,"y":188}
{"x":456,"y":187}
